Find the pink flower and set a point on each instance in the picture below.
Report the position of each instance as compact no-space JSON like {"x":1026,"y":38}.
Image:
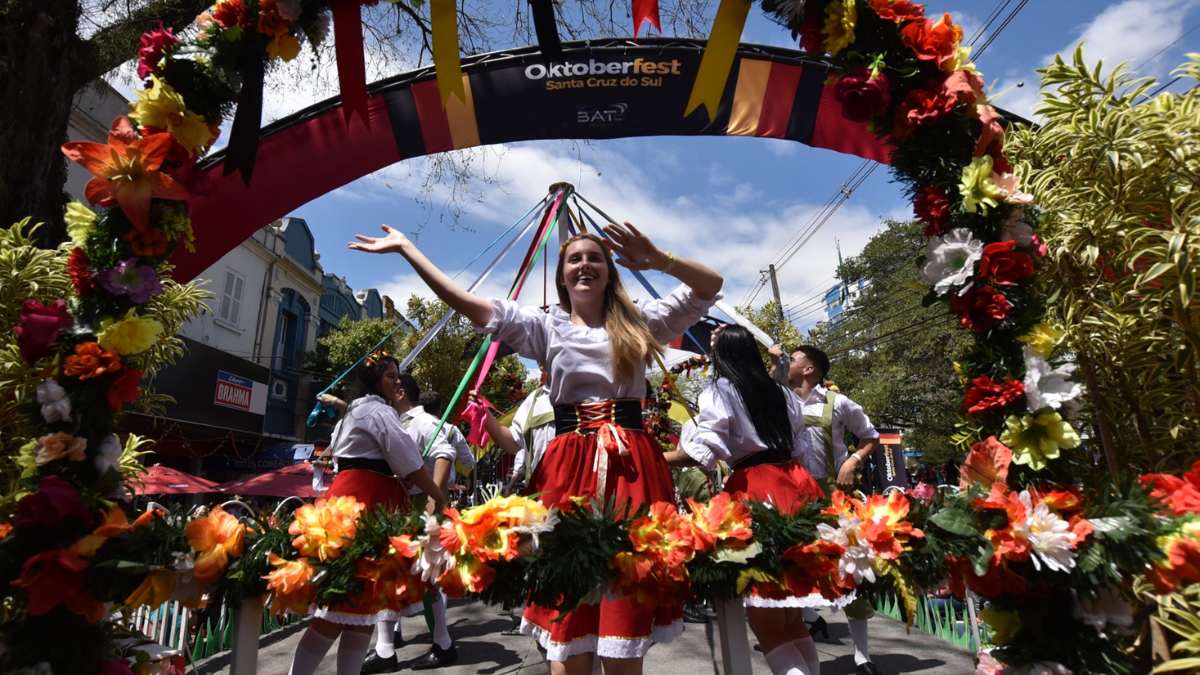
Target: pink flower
{"x":154,"y":44}
{"x":38,"y":327}
{"x":923,"y":491}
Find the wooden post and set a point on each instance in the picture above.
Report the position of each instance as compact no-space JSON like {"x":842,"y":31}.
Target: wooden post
{"x":731,"y":630}
{"x":246,"y":628}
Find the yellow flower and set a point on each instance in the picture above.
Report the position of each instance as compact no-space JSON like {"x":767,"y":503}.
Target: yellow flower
{"x":177,"y":225}
{"x":283,"y":47}
{"x":962,"y":61}
{"x":131,"y":335}
{"x":840,"y":18}
{"x":1044,"y":337}
{"x":1034,"y":439}
{"x":1005,"y":624}
{"x":80,"y":220}
{"x":162,"y":107}
{"x":978,"y":191}
{"x":327,"y":527}
{"x":154,"y":590}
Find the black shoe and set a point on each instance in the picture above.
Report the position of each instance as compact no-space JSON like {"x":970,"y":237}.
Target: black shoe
{"x":867,"y":668}
{"x":513,"y":630}
{"x":377,"y":664}
{"x":694,"y":614}
{"x":819,"y":627}
{"x":437,"y":657}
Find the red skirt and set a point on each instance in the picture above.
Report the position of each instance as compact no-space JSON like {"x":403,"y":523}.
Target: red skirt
{"x":616,"y":626}
{"x":371,"y":488}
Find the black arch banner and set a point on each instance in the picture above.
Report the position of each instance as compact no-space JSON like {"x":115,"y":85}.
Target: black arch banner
{"x":613,"y":89}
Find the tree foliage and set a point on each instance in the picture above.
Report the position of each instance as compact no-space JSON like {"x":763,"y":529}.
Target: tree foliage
{"x":890,"y":353}
{"x":1117,"y":178}
{"x":342,"y":347}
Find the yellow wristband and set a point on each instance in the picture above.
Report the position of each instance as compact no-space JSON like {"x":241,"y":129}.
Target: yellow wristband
{"x":670,"y":262}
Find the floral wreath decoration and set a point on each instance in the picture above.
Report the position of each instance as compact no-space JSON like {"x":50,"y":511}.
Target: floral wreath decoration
{"x":1020,"y":533}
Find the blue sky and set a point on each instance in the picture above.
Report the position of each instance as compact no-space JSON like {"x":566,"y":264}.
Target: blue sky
{"x":731,"y":202}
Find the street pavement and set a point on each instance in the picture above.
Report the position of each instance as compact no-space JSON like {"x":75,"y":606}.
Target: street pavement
{"x":482,"y":649}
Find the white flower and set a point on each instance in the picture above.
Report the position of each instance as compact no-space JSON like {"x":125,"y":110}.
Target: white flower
{"x":1106,"y":609}
{"x":535,"y":529}
{"x":434,"y":560}
{"x":1016,"y":229}
{"x":951,"y":260}
{"x":858,"y":560}
{"x":1048,"y":535}
{"x":109,"y":454}
{"x":1048,"y":387}
{"x":56,"y":407}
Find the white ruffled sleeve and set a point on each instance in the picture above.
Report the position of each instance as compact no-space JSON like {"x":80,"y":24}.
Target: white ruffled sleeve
{"x":675,"y":312}
{"x":801,"y":444}
{"x":706,"y":439}
{"x":522,"y":328}
{"x":399,"y":449}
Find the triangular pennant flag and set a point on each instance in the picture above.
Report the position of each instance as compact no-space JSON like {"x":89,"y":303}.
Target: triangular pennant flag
{"x":446,"y":62}
{"x":351,"y":67}
{"x":643,"y":11}
{"x":718,"y":57}
{"x":546,"y":27}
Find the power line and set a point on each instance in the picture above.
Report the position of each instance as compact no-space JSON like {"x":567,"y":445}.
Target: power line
{"x":1162,"y":51}
{"x":1000,"y":6}
{"x":1000,"y":29}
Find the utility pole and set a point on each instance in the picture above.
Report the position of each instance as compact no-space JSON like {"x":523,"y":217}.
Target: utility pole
{"x":780,"y":371}
{"x":775,"y":292}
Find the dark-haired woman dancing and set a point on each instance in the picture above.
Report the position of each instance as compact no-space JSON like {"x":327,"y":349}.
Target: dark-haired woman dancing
{"x":756,"y":426}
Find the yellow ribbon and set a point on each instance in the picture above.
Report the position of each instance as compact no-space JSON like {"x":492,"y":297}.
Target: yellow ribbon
{"x":446,"y":63}
{"x":718,"y":57}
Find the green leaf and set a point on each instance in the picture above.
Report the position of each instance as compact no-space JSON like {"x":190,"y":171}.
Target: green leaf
{"x":955,"y":521}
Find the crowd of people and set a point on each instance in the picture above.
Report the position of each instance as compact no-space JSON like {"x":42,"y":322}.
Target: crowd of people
{"x":581,"y":434}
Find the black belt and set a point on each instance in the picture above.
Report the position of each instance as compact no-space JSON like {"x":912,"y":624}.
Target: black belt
{"x":624,"y":412}
{"x":774,"y":456}
{"x":376,"y":465}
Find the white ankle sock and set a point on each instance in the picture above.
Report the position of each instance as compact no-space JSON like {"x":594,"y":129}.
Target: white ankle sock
{"x":810,"y":614}
{"x":385,"y":638}
{"x":808,"y":649}
{"x":441,"y":633}
{"x":862,"y":645}
{"x":309,"y":652}
{"x":786,"y":659}
{"x":352,"y":649}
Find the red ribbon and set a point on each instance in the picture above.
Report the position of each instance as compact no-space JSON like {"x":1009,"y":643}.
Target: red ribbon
{"x":643,"y":11}
{"x":352,"y":69}
{"x":475,"y":415}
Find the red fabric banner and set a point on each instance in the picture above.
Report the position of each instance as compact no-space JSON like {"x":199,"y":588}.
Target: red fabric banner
{"x":351,"y":66}
{"x":643,"y":11}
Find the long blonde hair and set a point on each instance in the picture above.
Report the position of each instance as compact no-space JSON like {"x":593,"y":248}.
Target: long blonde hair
{"x":629,"y":338}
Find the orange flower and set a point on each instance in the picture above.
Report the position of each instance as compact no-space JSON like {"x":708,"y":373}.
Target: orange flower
{"x":115,"y":523}
{"x":147,"y":517}
{"x":468,"y":575}
{"x":155,"y":589}
{"x":89,"y":361}
{"x":986,"y":465}
{"x":898,"y":11}
{"x":58,"y":445}
{"x":126,"y":170}
{"x":664,"y":533}
{"x":885,"y":526}
{"x":813,"y":568}
{"x":290,"y":585}
{"x":655,"y":572}
{"x":936,"y":42}
{"x":215,"y":537}
{"x":722,"y":519}
{"x":327,"y":527}
{"x":6,"y":529}
{"x":147,"y":243}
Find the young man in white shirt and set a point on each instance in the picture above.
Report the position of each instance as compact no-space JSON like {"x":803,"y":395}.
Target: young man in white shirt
{"x":828,"y":415}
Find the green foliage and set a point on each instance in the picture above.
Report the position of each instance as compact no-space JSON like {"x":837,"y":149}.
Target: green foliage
{"x":1117,"y":177}
{"x":890,"y":353}
{"x":573,"y":563}
{"x":346,"y":344}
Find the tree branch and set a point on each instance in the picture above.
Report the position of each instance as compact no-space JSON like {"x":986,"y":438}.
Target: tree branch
{"x":118,"y":42}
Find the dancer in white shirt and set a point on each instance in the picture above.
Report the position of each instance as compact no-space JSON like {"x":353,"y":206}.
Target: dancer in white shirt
{"x":370,"y":449}
{"x":595,"y":344}
{"x":756,"y":427}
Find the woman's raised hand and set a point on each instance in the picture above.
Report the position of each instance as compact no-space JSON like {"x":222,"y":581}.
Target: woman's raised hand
{"x":392,"y":241}
{"x":634,"y":249}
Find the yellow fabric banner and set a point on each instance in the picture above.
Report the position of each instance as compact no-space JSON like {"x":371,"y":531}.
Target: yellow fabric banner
{"x":718,"y":57}
{"x":444,"y":17}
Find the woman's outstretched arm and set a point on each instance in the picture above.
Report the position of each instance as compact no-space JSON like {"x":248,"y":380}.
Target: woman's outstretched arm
{"x":477,"y":309}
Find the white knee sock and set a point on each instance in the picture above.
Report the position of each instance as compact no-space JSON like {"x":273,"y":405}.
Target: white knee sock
{"x":309,"y":652}
{"x":786,"y":659}
{"x":810,"y":614}
{"x":862,"y":646}
{"x":441,"y":633}
{"x":352,"y":649}
{"x":808,"y":649}
{"x":385,"y":640}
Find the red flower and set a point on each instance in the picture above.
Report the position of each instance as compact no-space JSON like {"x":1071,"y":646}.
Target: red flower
{"x":1180,"y":495}
{"x":933,"y":207}
{"x":56,"y":577}
{"x":980,"y":308}
{"x":154,"y":44}
{"x":863,"y":94}
{"x":991,"y":139}
{"x":38,"y":327}
{"x":922,"y":106}
{"x":1003,"y":264}
{"x":124,"y":389}
{"x":898,"y":11}
{"x":55,"y":503}
{"x":986,"y":465}
{"x":997,"y":581}
{"x":80,"y":272}
{"x":230,"y":13}
{"x":987,"y":395}
{"x":811,"y":39}
{"x":930,"y":41}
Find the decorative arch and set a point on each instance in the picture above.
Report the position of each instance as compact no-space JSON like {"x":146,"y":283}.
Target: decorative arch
{"x":606,"y":89}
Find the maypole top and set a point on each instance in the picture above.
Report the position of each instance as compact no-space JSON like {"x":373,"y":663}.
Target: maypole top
{"x":561,"y":185}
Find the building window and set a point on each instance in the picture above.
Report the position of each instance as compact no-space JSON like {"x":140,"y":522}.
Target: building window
{"x":231,"y":297}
